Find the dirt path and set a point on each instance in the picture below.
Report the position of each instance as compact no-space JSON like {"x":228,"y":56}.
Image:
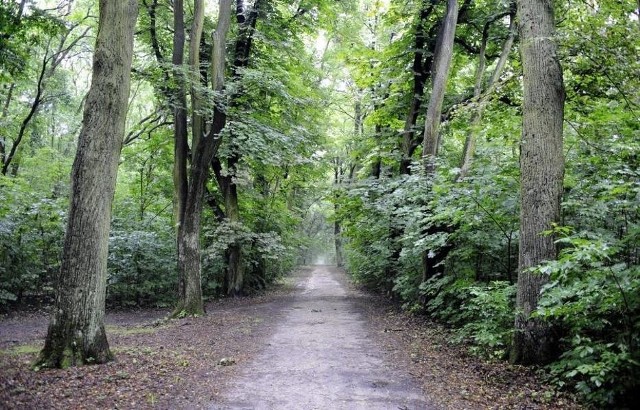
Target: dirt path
{"x":314,"y":341}
{"x":321,"y":356}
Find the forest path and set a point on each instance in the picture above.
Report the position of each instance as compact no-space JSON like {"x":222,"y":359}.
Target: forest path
{"x":321,"y":356}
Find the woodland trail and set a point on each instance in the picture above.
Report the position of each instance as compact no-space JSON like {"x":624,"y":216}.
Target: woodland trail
{"x":314,"y":341}
{"x":321,"y":356}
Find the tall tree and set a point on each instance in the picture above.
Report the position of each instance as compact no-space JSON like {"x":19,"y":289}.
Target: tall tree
{"x":440,"y":76}
{"x":180,"y":132}
{"x":76,"y":333}
{"x":421,"y":67}
{"x":246,"y":19}
{"x":204,"y":147}
{"x":541,"y":173}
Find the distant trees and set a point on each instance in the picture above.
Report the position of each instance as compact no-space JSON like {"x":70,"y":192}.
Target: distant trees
{"x":234,"y":108}
{"x":76,"y":333}
{"x":62,"y":40}
{"x":266,"y":102}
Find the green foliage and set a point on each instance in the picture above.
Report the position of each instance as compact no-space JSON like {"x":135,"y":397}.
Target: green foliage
{"x":601,"y":372}
{"x":445,"y":297}
{"x":481,"y":314}
{"x":365,"y":216}
{"x":290,"y":128}
{"x":21,"y":30}
{"x":390,"y":224}
{"x":489,"y":321}
{"x":597,"y":303}
{"x":141,"y":267}
{"x":32,"y":221}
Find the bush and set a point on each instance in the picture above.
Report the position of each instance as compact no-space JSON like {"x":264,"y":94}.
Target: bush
{"x":264,"y":255}
{"x":597,"y":304}
{"x":142,"y":269}
{"x":490,"y":319}
{"x":30,"y":245}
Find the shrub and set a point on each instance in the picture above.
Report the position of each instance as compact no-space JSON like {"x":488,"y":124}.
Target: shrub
{"x":597,"y":304}
{"x":142,"y":269}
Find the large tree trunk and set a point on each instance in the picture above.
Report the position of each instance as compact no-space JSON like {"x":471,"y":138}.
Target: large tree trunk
{"x":189,"y":273}
{"x":541,"y":169}
{"x":440,"y":75}
{"x":76,"y":332}
{"x":204,"y":147}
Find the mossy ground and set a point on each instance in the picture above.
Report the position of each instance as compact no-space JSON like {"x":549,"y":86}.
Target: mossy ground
{"x":25,"y":349}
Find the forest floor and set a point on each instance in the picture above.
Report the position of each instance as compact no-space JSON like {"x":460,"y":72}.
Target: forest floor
{"x":314,"y":341}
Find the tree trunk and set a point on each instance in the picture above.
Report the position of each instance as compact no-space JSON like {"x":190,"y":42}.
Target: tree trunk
{"x":247,"y":20}
{"x":76,"y":332}
{"x":541,"y":174}
{"x":431,"y":260}
{"x":442,"y":65}
{"x":197,"y":120}
{"x":204,"y":147}
{"x":235,"y":267}
{"x":421,"y":69}
{"x":179,"y":102}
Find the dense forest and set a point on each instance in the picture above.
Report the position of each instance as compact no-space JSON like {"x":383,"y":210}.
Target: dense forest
{"x":478,"y":161}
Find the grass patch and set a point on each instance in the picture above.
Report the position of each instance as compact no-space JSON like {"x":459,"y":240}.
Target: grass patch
{"x":22,"y":349}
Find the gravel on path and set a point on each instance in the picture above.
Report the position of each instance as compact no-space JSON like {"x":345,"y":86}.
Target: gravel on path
{"x":322,"y":356}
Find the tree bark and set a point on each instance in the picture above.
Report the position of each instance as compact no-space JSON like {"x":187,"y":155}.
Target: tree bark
{"x":234,"y":278}
{"x":204,"y":147}
{"x":189,"y":272}
{"x":421,"y":69}
{"x":197,"y":120}
{"x":235,"y":267}
{"x":181,"y":146}
{"x":442,"y":65}
{"x":431,"y":263}
{"x":542,"y":170}
{"x":76,"y":332}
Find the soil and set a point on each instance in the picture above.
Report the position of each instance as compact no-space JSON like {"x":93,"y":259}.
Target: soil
{"x":313,"y":342}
